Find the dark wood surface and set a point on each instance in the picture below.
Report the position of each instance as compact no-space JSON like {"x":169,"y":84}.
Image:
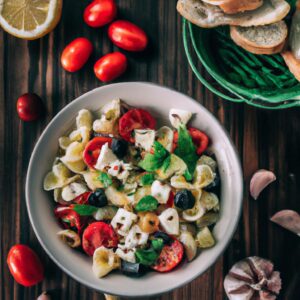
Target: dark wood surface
{"x":264,"y":139}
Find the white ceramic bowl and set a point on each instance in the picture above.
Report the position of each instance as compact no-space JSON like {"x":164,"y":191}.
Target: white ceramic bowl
{"x":158,"y":100}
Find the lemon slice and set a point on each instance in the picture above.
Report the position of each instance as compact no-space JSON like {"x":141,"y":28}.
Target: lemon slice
{"x":29,"y":19}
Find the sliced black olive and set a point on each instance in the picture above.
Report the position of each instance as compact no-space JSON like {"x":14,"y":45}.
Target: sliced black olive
{"x":132,"y":269}
{"x":162,"y":235}
{"x":214,"y":185}
{"x":119,"y":147}
{"x":98,"y":198}
{"x":184,"y":199}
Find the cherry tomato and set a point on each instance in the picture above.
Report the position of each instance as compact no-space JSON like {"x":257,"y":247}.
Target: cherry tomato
{"x":135,"y":119}
{"x":83,"y":198}
{"x":76,"y":54}
{"x":169,"y":258}
{"x":93,"y":148}
{"x":127,"y":36}
{"x":98,"y":234}
{"x":29,"y":107}
{"x":110,"y":66}
{"x":100,"y":13}
{"x":24,"y":265}
{"x":199,"y":138}
{"x":170,"y":201}
{"x":70,"y":218}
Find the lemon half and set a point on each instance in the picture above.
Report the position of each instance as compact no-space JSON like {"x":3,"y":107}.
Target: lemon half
{"x":29,"y":19}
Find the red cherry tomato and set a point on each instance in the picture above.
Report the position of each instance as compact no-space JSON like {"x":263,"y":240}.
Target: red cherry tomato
{"x":83,"y":198}
{"x":170,"y":201}
{"x":169,"y":258}
{"x":110,"y":66}
{"x":135,"y":119}
{"x":93,"y":148}
{"x":199,"y":138}
{"x":100,"y":13}
{"x":70,"y":218}
{"x":24,"y":265}
{"x":76,"y":54}
{"x":29,"y":107}
{"x":127,"y":36}
{"x":98,"y":234}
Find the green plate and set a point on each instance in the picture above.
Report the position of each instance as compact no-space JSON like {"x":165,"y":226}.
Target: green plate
{"x":259,"y":80}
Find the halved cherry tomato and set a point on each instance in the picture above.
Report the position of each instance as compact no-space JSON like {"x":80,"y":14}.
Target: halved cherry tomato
{"x":169,"y":258}
{"x":29,"y":107}
{"x":70,"y":218}
{"x":110,"y":66}
{"x":93,"y":148}
{"x":135,"y":119}
{"x":170,"y":201}
{"x":100,"y":13}
{"x":127,"y":36}
{"x":24,"y":265}
{"x":98,"y":234}
{"x":76,"y":54}
{"x":200,"y":140}
{"x":83,"y":198}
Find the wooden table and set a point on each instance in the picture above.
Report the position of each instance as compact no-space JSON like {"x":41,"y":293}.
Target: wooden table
{"x":264,"y":139}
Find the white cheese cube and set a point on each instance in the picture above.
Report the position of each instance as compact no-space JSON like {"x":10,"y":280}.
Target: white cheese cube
{"x":105,"y":158}
{"x":136,"y":237}
{"x":144,"y":138}
{"x":122,"y":221}
{"x":126,"y":254}
{"x":71,"y":191}
{"x":120,"y":170}
{"x":169,"y":221}
{"x":178,"y":116}
{"x":160,"y":191}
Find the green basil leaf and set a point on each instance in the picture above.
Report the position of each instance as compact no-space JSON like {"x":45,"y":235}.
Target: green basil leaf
{"x":105,"y":179}
{"x":146,"y":257}
{"x":157,"y":244}
{"x":147,"y":203}
{"x":147,"y":179}
{"x":84,"y":210}
{"x":186,"y":149}
{"x":152,"y":162}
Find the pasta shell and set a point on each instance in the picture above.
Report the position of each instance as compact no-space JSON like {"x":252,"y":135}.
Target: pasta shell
{"x":165,"y":136}
{"x":74,"y":152}
{"x":91,"y":180}
{"x":209,"y":200}
{"x":204,"y":176}
{"x":84,"y":119}
{"x":81,"y":135}
{"x":64,"y":142}
{"x":179,"y":182}
{"x":207,"y":160}
{"x":77,"y":167}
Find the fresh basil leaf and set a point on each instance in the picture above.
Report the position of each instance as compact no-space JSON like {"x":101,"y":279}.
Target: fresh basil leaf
{"x":186,"y":149}
{"x":153,"y":161}
{"x":147,"y":203}
{"x":157,"y":244}
{"x":146,"y":257}
{"x":166,"y":164}
{"x":188,"y":176}
{"x":147,"y":179}
{"x":84,"y":210}
{"x":105,"y":179}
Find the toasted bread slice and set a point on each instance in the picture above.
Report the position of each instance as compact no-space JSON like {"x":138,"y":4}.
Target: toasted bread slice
{"x":293,"y":63}
{"x":208,"y":16}
{"x":236,"y":6}
{"x":267,"y":39}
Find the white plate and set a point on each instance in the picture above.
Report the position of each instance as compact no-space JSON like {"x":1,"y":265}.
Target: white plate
{"x":158,"y":100}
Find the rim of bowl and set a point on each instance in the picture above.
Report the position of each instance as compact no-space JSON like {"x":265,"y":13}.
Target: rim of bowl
{"x":86,"y":283}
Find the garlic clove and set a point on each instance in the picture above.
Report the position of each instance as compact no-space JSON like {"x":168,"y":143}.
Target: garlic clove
{"x":259,"y":181}
{"x":252,"y":277}
{"x":288,"y":219}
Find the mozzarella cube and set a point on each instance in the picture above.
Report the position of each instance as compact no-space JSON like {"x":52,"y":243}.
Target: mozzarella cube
{"x":169,"y":221}
{"x":160,"y":191}
{"x":105,"y":158}
{"x":120,"y":170}
{"x":71,"y":191}
{"x":126,"y":254}
{"x":122,"y":221}
{"x":179,"y":116}
{"x":144,"y":138}
{"x":136,"y":237}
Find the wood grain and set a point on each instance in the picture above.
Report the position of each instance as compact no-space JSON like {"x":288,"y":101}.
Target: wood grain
{"x":264,"y":139}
